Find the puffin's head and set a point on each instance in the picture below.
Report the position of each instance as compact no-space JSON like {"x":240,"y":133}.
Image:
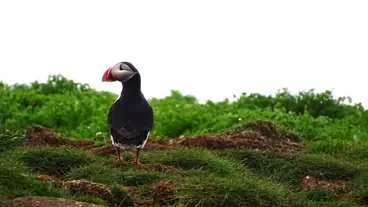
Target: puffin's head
{"x":122,"y":71}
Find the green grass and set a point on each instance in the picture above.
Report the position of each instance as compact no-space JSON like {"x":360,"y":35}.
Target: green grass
{"x":288,"y":168}
{"x":336,"y":135}
{"x":354,"y":151}
{"x":125,"y":176}
{"x":57,"y":161}
{"x":17,"y":180}
{"x":204,"y":177}
{"x":192,"y":159}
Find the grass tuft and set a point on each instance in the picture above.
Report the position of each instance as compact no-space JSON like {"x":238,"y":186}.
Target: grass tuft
{"x":120,"y":196}
{"x":188,"y":159}
{"x":321,"y":194}
{"x":10,"y":140}
{"x":16,"y":180}
{"x":212,"y":190}
{"x":290,"y":169}
{"x":356,"y":151}
{"x":55,"y":161}
{"x":121,"y":176}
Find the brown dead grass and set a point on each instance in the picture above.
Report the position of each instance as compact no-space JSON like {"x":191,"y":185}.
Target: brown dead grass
{"x":96,"y":189}
{"x":260,"y":135}
{"x":50,"y":178}
{"x":39,"y":136}
{"x":310,"y":182}
{"x":159,"y":168}
{"x":162,"y":191}
{"x":43,"y":201}
{"x":263,"y":135}
{"x":147,"y":167}
{"x":105,"y":150}
{"x":244,"y":139}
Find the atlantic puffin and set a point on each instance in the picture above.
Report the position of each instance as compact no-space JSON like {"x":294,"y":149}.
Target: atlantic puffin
{"x":130,"y":118}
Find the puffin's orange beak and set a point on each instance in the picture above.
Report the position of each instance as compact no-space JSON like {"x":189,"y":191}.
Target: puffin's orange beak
{"x":105,"y":77}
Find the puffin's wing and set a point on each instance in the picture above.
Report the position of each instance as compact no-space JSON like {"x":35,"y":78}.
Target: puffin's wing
{"x":133,"y":124}
{"x":144,"y":121}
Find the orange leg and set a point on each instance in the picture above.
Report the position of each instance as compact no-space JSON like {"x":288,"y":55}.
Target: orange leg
{"x":119,"y":154}
{"x":137,"y":159}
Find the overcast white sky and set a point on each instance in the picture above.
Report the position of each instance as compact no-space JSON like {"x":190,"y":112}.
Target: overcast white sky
{"x":211,"y":49}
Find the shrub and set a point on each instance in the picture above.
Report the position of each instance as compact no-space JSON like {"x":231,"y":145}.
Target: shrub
{"x":76,"y":110}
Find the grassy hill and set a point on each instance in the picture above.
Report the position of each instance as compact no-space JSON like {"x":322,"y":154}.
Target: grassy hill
{"x":306,"y":149}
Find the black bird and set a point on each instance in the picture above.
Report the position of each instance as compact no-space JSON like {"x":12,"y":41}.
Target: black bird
{"x":130,"y":117}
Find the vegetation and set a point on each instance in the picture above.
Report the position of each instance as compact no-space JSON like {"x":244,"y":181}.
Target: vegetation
{"x":241,"y":153}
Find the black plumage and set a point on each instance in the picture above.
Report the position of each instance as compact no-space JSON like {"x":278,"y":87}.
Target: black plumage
{"x":130,"y":118}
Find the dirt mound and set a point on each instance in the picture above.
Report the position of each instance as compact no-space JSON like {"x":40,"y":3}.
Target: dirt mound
{"x":261,"y":135}
{"x":163,"y":193}
{"x":146,"y":166}
{"x":40,"y":136}
{"x":96,"y":189}
{"x":264,"y":127}
{"x":267,"y":129}
{"x":159,"y":168}
{"x":159,"y":144}
{"x":43,"y":201}
{"x":37,"y":135}
{"x":105,"y":150}
{"x":310,"y":182}
{"x":49,"y":178}
{"x":242,"y":139}
{"x":152,"y":144}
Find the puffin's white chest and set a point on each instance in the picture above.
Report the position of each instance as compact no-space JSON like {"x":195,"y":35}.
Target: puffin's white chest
{"x":117,"y":97}
{"x":127,"y":146}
